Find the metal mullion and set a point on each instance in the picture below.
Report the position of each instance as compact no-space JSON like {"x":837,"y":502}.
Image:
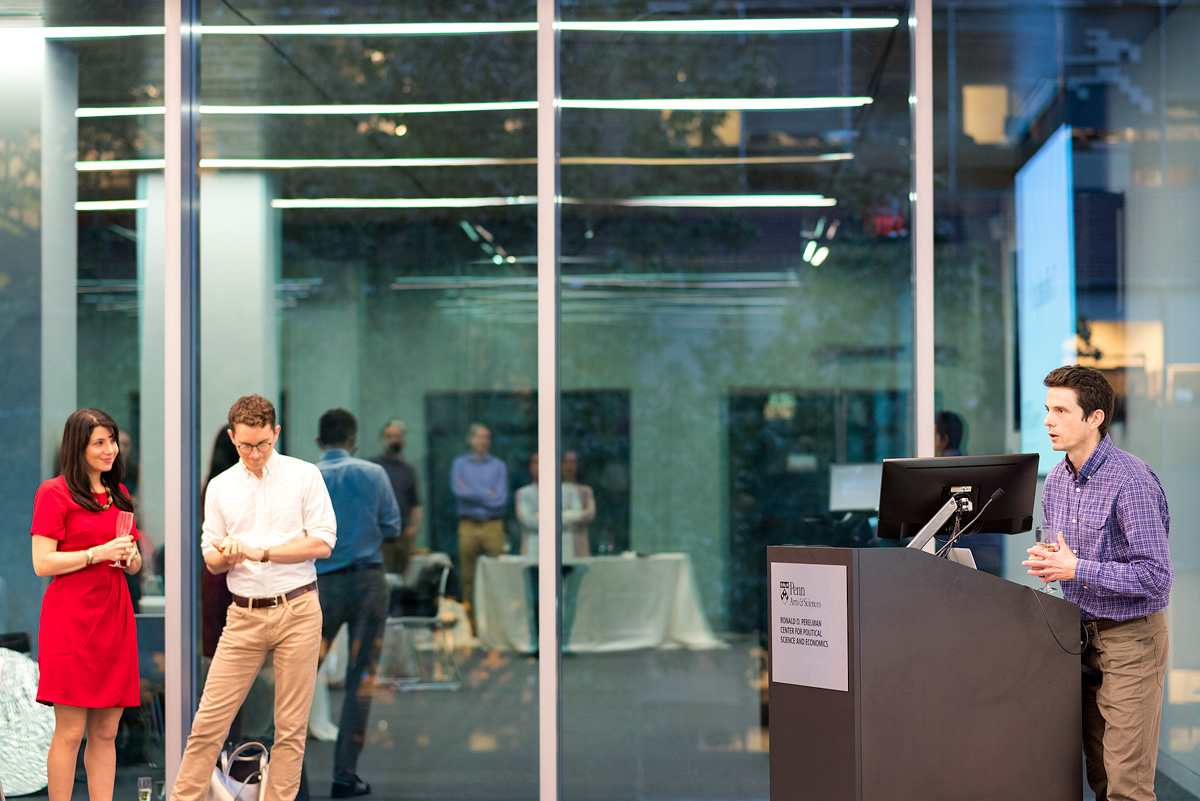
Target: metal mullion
{"x":181,"y":77}
{"x":921,"y":32}
{"x":548,"y":385}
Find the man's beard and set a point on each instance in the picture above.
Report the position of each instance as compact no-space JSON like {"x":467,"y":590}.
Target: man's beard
{"x":394,"y":448}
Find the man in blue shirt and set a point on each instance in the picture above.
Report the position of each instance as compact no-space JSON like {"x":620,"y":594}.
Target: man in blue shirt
{"x":351,"y":583}
{"x":480,"y":485}
{"x":1110,"y":516}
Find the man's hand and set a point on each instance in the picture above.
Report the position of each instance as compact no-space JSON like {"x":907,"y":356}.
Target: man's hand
{"x":1057,"y":565}
{"x":409,"y":532}
{"x":232,"y":550}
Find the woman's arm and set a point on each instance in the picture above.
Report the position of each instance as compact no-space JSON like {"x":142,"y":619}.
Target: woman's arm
{"x":49,"y":561}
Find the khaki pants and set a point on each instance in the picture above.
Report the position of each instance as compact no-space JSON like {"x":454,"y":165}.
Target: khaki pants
{"x":1122,"y":708}
{"x":292,"y":632}
{"x":474,"y":540}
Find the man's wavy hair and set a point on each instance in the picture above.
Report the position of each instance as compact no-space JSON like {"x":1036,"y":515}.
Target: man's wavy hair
{"x":1092,"y":390}
{"x":252,"y":410}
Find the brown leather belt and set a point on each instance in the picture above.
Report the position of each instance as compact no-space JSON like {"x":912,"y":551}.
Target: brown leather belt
{"x":1094,"y":627}
{"x":274,"y":600}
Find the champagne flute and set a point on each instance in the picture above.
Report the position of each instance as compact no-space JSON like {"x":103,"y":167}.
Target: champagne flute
{"x":1043,"y":539}
{"x":124,"y":526}
{"x":144,"y":784}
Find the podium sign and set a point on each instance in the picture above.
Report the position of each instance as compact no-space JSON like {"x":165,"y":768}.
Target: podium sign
{"x":900,"y":676}
{"x":809,"y":638}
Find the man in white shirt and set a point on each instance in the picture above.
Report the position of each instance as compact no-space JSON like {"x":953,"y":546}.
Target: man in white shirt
{"x":267,"y":520}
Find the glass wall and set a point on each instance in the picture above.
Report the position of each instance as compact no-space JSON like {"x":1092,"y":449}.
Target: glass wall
{"x":367,"y":241}
{"x":1086,"y":117}
{"x":81,"y":323}
{"x":736,"y":261}
{"x":736,"y":336}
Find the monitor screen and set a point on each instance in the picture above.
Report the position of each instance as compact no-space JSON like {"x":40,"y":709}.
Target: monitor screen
{"x":912,"y":491}
{"x":854,"y":487}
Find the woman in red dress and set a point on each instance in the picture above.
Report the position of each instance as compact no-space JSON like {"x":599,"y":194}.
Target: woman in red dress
{"x":87,"y":643}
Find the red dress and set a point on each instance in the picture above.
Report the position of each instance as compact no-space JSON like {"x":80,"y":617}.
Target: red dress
{"x":87,"y":642}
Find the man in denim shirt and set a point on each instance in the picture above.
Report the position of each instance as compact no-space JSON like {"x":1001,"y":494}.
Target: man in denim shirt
{"x":1109,"y":514}
{"x":351,"y":584}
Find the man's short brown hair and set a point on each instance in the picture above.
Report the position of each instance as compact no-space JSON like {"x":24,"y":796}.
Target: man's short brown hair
{"x":1092,"y":390}
{"x":252,"y":410}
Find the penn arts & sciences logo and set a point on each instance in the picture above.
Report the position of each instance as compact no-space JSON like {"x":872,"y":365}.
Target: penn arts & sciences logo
{"x":793,"y":594}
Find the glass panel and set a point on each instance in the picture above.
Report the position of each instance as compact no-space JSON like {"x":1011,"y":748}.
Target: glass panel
{"x":737,"y":279}
{"x":368,"y":234}
{"x":1085,"y":117}
{"x":79,"y":292}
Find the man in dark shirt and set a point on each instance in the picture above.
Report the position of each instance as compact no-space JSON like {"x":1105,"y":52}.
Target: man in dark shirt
{"x":398,"y":553}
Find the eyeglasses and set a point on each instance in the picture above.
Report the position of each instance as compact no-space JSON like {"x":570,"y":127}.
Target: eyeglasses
{"x":244,"y":448}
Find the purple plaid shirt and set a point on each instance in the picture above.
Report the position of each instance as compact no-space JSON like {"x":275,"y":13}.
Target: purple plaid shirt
{"x":1113,"y":514}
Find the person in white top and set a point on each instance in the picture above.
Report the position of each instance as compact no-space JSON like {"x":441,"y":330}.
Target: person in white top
{"x":578,"y":509}
{"x":267,"y":520}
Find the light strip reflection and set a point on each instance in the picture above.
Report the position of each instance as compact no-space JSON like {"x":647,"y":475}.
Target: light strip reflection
{"x":734,"y":25}
{"x":774,"y":25}
{"x":111,"y":205}
{"x":719,"y":104}
{"x":116,"y":165}
{"x":663,"y":201}
{"x":652,"y":104}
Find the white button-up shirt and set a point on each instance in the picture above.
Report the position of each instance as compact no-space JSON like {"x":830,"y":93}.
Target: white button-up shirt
{"x":289,"y":501}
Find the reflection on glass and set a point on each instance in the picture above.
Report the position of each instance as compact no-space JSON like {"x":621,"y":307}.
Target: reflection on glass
{"x":1094,"y":128}
{"x":735,"y":252}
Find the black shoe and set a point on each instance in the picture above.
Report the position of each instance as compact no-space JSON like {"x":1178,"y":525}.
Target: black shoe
{"x":349,"y":789}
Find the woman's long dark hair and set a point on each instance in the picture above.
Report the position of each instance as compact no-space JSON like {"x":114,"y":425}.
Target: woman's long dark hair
{"x":77,"y":433}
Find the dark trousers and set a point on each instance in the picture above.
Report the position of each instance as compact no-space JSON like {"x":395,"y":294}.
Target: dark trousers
{"x":360,"y":600}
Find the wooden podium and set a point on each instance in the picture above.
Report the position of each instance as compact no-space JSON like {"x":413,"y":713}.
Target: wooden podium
{"x":958,"y":685}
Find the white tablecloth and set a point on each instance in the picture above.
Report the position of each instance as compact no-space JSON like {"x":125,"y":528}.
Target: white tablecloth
{"x":610,"y":603}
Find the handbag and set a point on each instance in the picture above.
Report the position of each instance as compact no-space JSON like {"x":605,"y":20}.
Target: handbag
{"x":241,"y":774}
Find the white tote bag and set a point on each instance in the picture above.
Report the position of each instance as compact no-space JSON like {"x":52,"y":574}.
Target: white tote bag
{"x":252,"y":785}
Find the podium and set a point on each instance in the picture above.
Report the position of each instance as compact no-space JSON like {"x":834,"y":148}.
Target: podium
{"x":900,"y":676}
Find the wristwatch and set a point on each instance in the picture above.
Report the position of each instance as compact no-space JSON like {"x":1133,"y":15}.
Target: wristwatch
{"x":266,"y":557}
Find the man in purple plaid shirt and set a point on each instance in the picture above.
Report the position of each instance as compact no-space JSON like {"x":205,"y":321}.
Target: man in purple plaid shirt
{"x":1110,"y":516}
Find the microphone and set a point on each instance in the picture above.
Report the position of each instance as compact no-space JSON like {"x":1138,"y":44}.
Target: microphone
{"x":965,"y":530}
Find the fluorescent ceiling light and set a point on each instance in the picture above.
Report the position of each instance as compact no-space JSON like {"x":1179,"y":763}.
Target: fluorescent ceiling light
{"x":122,"y":111}
{"x":120,"y":164}
{"x":380,"y":29}
{"x":719,"y":103}
{"x":682,"y":104}
{"x":794,"y":25}
{"x":111,"y":205}
{"x":734,"y":25}
{"x":115,"y":165}
{"x":710,"y":201}
{"x":99,"y":32}
{"x":665,"y":201}
{"x":296,"y":164}
{"x":402,"y":203}
{"x":374,"y":108}
{"x":701,"y":161}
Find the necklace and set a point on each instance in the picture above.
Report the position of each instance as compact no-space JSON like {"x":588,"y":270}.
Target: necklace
{"x":109,"y":496}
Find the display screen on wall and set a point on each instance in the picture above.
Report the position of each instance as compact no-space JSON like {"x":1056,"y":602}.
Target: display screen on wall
{"x":1045,"y":282}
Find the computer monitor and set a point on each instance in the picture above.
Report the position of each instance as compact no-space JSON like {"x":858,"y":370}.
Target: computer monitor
{"x":913,"y":492}
{"x":854,"y":487}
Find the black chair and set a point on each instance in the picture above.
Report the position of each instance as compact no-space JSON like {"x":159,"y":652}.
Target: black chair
{"x":418,"y":608}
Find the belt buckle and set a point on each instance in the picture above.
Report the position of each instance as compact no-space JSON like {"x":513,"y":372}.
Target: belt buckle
{"x":266,"y":603}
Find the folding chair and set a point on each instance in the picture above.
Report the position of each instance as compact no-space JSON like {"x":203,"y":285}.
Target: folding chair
{"x":418,"y":608}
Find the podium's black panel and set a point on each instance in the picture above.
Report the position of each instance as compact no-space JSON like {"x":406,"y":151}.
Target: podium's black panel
{"x":814,"y":732}
{"x":958,"y":689}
